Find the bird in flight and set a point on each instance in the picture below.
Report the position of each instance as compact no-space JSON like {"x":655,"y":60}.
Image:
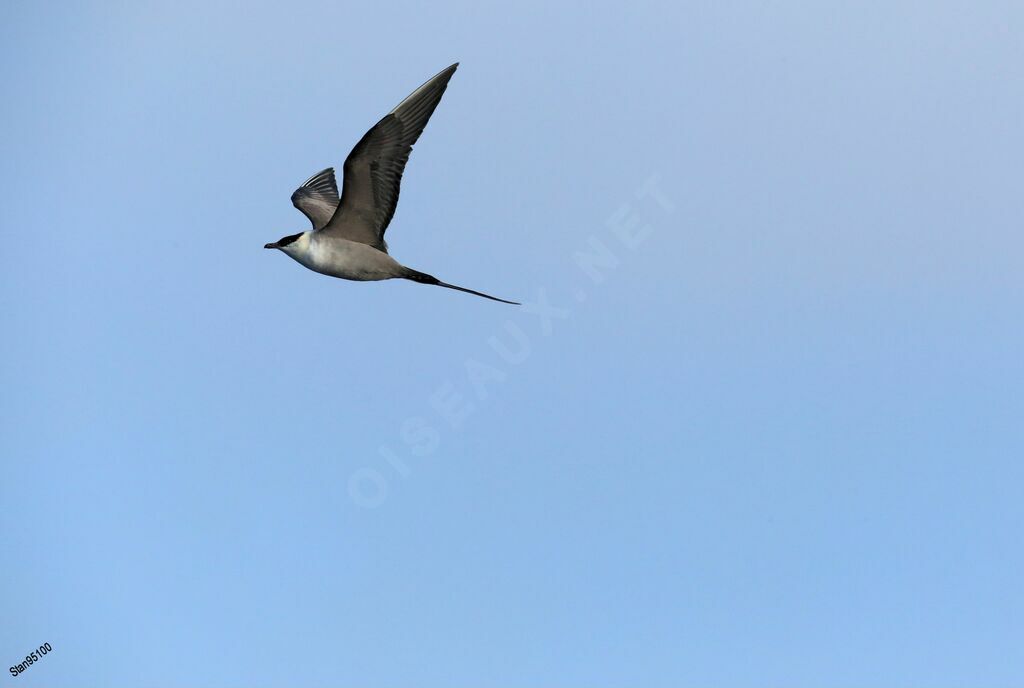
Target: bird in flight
{"x":347,"y":239}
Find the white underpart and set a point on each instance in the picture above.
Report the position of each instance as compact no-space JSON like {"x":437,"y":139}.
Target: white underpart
{"x":342,"y":258}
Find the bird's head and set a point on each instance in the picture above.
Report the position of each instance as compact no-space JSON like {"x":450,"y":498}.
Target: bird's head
{"x":287,"y":243}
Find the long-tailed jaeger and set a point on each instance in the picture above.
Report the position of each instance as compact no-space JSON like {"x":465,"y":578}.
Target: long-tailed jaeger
{"x":347,"y":239}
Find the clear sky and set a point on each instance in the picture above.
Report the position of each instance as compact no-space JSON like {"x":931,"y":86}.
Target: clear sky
{"x":759,"y":423}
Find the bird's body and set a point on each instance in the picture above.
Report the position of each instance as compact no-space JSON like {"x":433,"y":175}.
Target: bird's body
{"x":347,"y":240}
{"x":342,"y":258}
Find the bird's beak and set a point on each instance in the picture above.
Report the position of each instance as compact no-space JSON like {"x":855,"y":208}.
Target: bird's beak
{"x":272,"y":245}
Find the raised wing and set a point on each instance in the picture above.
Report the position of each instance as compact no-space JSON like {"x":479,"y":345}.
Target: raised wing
{"x":373,"y":170}
{"x":317,"y":198}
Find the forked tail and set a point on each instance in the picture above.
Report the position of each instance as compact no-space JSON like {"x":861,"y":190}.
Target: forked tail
{"x":424,"y":278}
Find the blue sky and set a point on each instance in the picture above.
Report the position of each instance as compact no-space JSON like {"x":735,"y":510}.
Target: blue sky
{"x":759,"y":422}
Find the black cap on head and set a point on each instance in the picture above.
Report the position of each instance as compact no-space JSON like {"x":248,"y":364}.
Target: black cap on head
{"x":283,"y":241}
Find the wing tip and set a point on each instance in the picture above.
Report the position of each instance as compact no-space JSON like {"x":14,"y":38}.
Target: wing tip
{"x":322,"y":175}
{"x":445,"y":73}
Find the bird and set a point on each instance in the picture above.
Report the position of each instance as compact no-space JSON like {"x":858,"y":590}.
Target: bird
{"x":347,"y":239}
